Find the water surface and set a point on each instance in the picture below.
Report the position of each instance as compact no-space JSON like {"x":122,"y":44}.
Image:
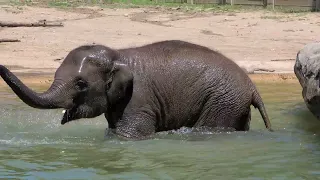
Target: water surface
{"x":33,"y":145}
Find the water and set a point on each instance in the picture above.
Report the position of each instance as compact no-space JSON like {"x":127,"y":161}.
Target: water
{"x":33,"y":145}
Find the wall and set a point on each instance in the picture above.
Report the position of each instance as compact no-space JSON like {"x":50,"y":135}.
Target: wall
{"x":295,"y":3}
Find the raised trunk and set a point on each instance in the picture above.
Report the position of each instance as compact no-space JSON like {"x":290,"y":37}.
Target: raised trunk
{"x":46,"y":100}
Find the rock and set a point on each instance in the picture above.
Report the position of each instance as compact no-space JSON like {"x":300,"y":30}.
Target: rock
{"x":307,"y":70}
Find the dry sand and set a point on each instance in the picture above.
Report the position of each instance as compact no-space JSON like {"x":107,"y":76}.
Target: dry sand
{"x":252,"y":39}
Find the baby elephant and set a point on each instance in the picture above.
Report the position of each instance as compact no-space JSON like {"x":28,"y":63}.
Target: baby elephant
{"x":143,"y":90}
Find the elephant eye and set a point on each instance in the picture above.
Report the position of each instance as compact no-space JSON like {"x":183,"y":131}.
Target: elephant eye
{"x":81,"y":85}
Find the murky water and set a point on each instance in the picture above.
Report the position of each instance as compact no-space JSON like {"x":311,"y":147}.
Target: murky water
{"x":33,"y":145}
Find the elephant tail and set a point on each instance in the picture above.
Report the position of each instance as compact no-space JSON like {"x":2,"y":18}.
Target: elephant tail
{"x":258,"y":103}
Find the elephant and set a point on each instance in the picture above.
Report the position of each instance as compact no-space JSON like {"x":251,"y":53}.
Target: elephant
{"x":142,"y":90}
{"x":306,"y":69}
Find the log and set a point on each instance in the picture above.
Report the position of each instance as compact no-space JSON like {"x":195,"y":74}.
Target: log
{"x":252,"y":70}
{"x":283,"y":59}
{"x":9,"y":40}
{"x":263,"y":69}
{"x":36,"y":24}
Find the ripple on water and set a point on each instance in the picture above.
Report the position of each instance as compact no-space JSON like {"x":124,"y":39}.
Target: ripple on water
{"x":33,"y":145}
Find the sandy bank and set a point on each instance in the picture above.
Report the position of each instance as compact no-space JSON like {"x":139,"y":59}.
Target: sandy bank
{"x":254,"y":40}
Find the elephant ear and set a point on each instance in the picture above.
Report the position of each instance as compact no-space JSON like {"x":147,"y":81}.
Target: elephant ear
{"x":120,"y":85}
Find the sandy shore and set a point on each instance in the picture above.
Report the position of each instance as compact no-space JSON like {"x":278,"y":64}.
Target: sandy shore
{"x":254,"y":40}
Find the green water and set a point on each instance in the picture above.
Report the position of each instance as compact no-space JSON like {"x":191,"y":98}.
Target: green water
{"x":33,"y":145}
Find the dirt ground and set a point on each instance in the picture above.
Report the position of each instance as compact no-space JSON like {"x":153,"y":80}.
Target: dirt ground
{"x":253,"y":40}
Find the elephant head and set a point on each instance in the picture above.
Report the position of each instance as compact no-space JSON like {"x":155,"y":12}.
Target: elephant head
{"x":307,"y":71}
{"x":90,"y":80}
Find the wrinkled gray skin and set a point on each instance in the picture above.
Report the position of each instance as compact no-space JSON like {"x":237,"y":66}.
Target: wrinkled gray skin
{"x":142,"y":90}
{"x":307,"y":70}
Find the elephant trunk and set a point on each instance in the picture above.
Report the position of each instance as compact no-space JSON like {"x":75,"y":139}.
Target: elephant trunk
{"x":46,"y":100}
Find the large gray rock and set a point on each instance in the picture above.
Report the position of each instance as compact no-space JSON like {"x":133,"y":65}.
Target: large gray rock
{"x":307,"y":70}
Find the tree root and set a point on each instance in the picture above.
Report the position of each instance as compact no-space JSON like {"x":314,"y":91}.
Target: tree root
{"x":9,"y":40}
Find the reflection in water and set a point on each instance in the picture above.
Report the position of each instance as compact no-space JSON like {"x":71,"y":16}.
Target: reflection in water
{"x":34,"y":145}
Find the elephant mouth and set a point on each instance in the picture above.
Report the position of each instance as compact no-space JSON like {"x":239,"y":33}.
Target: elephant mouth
{"x":69,"y":115}
{"x":78,"y":112}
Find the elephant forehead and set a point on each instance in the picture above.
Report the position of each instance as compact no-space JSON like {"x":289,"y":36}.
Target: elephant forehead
{"x":84,"y":70}
{"x":92,"y":53}
{"x":81,"y":64}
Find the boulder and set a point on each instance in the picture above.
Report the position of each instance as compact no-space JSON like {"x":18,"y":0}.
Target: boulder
{"x":307,"y":70}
